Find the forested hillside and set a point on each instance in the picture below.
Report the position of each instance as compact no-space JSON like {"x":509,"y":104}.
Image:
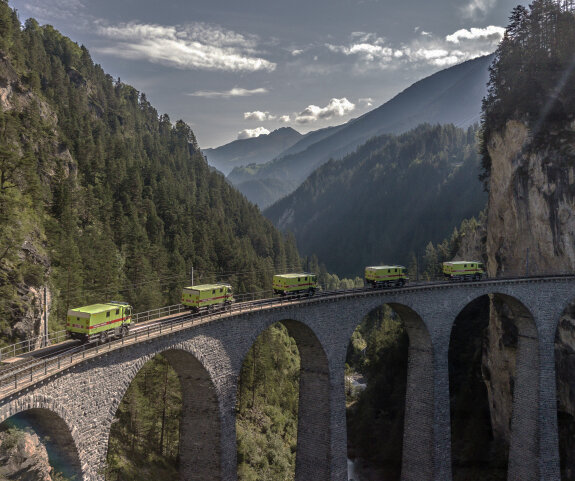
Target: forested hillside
{"x":532,"y":79}
{"x":102,"y":197}
{"x":385,"y":202}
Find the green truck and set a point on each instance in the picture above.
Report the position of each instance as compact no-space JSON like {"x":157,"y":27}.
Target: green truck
{"x":207,"y":296}
{"x":463,"y":270}
{"x":386,"y":276}
{"x":295,"y":284}
{"x":99,"y":321}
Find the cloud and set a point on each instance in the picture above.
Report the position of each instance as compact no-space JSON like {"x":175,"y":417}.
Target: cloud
{"x":258,"y":115}
{"x":194,"y":46}
{"x":369,"y":50}
{"x":335,"y":108}
{"x":296,"y":52}
{"x":477,"y":8}
{"x":491,"y":33}
{"x":235,"y":92}
{"x":374,"y":53}
{"x":365,"y":102}
{"x":49,"y":10}
{"x":366,"y":46}
{"x":250,"y":133}
{"x":284,"y":119}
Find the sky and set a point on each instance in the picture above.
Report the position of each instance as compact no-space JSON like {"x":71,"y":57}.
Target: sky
{"x":233,"y":69}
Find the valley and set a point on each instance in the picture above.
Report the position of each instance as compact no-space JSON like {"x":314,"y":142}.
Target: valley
{"x":103,"y":198}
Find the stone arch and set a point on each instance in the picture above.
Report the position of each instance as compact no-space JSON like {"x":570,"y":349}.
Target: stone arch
{"x":564,"y":351}
{"x":200,"y":446}
{"x":313,"y":453}
{"x":523,"y":339}
{"x":49,"y":419}
{"x":418,"y":431}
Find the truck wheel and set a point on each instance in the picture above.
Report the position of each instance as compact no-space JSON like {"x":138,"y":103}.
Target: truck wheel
{"x":103,"y":337}
{"x":123,"y":332}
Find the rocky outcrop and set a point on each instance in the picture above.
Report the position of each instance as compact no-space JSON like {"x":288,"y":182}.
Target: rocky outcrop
{"x":530,"y":230}
{"x":23,"y":275}
{"x":531,"y":214}
{"x":23,"y":457}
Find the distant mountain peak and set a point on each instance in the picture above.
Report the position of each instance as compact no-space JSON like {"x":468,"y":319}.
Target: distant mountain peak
{"x":452,"y":95}
{"x":255,"y":150}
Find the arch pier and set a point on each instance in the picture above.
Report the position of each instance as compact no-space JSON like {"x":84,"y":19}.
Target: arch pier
{"x":208,"y":358}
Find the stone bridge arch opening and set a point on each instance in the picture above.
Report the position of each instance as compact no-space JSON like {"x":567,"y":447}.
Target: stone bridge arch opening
{"x":494,"y":390}
{"x":35,"y":433}
{"x":565,"y":386}
{"x":283,"y":406}
{"x":168,"y":424}
{"x":391,"y":419}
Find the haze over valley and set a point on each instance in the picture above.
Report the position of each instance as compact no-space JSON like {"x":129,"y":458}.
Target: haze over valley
{"x":190,"y":195}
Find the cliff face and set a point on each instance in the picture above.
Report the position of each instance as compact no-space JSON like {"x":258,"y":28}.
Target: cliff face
{"x":530,"y":229}
{"x":23,"y":457}
{"x":531,"y":215}
{"x":24,"y":260}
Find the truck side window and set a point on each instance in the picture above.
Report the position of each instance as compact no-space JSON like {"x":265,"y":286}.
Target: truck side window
{"x":108,"y":314}
{"x":117,"y":311}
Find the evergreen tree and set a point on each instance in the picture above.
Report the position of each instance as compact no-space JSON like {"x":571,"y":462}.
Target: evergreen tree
{"x":532,"y":78}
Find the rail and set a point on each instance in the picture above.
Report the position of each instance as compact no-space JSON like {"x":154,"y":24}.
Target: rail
{"x":34,"y":371}
{"x":33,"y":343}
{"x":38,"y":369}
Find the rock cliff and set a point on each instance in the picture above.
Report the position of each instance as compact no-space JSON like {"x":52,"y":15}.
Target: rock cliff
{"x":23,"y":275}
{"x":531,"y":215}
{"x":530,"y":230}
{"x":23,"y":457}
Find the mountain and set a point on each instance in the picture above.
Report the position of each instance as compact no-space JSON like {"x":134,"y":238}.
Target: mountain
{"x":255,"y":150}
{"x":452,"y":95}
{"x":386,"y":201}
{"x":102,"y":197}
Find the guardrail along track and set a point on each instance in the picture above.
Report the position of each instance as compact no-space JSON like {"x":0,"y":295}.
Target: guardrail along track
{"x":173,"y":318}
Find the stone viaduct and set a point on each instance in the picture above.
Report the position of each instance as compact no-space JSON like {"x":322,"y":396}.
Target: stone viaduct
{"x":77,"y":404}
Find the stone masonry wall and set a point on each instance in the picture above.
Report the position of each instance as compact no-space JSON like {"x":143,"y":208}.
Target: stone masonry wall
{"x":208,"y":359}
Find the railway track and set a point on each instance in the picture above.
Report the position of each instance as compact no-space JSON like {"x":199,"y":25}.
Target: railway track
{"x":30,"y":366}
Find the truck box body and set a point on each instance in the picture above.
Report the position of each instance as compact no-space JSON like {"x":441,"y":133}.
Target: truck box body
{"x":294,"y":283}
{"x":90,"y":321}
{"x":463,"y":270}
{"x":385,"y":275}
{"x":206,"y":296}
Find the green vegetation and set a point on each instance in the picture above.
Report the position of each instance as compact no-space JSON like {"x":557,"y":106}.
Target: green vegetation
{"x":268,"y":407}
{"x":16,"y":443}
{"x":144,"y":440}
{"x":378,"y":351}
{"x":532,"y":78}
{"x":385,"y":202}
{"x":467,"y":237}
{"x":101,"y":197}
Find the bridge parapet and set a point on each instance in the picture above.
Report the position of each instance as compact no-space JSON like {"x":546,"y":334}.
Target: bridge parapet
{"x":90,"y":384}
